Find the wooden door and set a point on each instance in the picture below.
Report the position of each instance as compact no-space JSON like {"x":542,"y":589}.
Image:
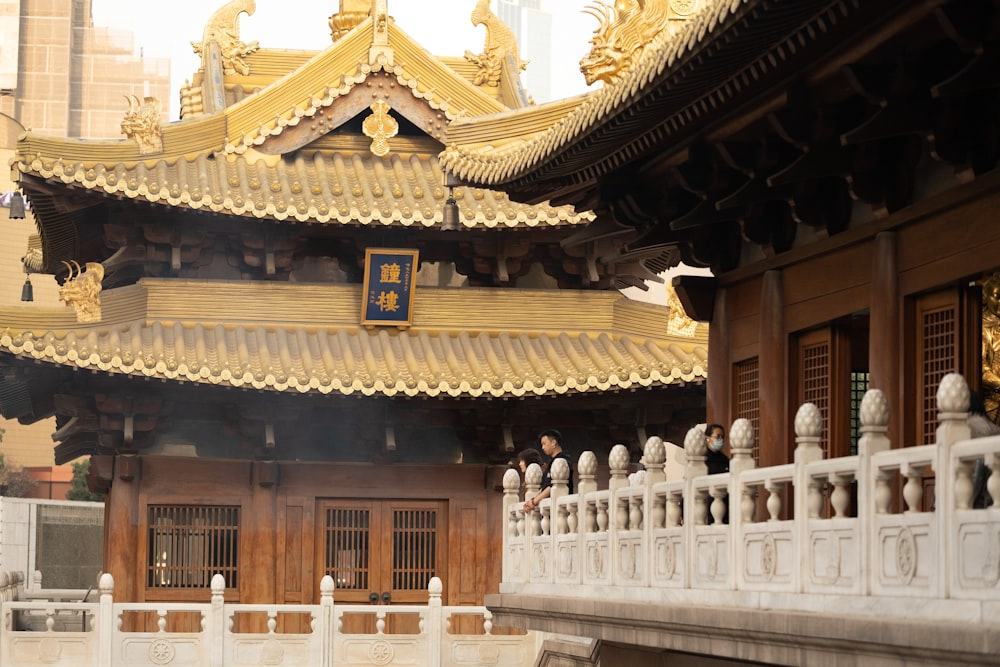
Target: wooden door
{"x":382,"y":552}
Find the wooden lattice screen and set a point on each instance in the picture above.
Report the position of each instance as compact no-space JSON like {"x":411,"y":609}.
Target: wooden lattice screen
{"x":414,"y":536}
{"x":815,"y":383}
{"x":747,"y":400}
{"x":348,"y":547}
{"x":938,"y":356}
{"x":188,"y":544}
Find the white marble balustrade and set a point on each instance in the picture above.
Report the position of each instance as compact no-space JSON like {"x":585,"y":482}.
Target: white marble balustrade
{"x":817,"y":534}
{"x":84,"y":634}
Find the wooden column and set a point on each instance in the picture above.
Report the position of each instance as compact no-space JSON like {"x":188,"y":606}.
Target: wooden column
{"x":775,"y":448}
{"x":259,"y":578}
{"x":719,"y":388}
{"x":121,"y":530}
{"x":885,"y":341}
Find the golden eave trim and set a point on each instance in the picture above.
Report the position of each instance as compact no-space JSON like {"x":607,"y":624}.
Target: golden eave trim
{"x":315,"y":349}
{"x":493,"y":165}
{"x":341,"y":189}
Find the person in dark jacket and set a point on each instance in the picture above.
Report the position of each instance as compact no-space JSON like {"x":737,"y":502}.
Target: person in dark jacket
{"x":716,"y":459}
{"x":551,"y":442}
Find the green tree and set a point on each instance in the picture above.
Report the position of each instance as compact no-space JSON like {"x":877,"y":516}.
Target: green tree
{"x":14,"y":481}
{"x":78,"y":486}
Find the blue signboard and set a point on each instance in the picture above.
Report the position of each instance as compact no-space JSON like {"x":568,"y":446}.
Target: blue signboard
{"x":390,"y":278}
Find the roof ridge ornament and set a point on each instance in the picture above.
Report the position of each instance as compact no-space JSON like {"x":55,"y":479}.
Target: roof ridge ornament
{"x":352,"y":13}
{"x":627,"y":29}
{"x":380,"y":127}
{"x":224,"y":29}
{"x":83,"y":291}
{"x":380,"y":55}
{"x":500,"y":41}
{"x":142,"y":123}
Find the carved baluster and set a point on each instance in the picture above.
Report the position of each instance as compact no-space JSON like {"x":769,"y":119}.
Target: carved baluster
{"x":840,"y":498}
{"x":700,"y":507}
{"x":774,"y":499}
{"x":635,"y":517}
{"x":621,"y":513}
{"x":659,"y":511}
{"x":963,"y":484}
{"x":536,"y":522}
{"x":573,"y":518}
{"x":602,"y":515}
{"x":514,"y":526}
{"x":673,"y":510}
{"x":913,"y":490}
{"x":993,"y":483}
{"x":562,"y":519}
{"x":748,"y":504}
{"x":590,"y":517}
{"x":380,"y":621}
{"x":719,"y":495}
{"x":816,"y":488}
{"x":883,"y":491}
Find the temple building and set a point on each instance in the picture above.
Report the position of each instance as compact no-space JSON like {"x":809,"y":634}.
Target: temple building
{"x":835,"y":164}
{"x":292,"y":348}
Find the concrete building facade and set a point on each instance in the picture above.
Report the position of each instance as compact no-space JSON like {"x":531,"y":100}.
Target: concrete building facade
{"x":61,"y":75}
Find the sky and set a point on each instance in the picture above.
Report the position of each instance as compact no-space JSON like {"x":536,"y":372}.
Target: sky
{"x":443,"y":27}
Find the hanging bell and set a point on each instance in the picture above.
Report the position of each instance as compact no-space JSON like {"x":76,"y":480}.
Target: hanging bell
{"x":27,"y":292}
{"x":16,"y":206}
{"x":449,"y":215}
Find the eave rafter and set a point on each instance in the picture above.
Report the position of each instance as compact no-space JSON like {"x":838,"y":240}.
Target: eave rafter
{"x":737,"y":142}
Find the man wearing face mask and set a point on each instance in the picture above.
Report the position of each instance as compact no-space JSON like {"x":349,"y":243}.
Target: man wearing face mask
{"x":715,"y":459}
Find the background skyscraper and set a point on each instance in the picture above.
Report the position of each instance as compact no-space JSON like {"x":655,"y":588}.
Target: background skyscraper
{"x":533,"y":29}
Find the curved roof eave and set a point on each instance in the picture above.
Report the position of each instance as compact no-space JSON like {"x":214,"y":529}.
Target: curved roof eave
{"x":308,"y":340}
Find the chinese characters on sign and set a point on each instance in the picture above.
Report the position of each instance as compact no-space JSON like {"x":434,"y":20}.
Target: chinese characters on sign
{"x":390,"y":276}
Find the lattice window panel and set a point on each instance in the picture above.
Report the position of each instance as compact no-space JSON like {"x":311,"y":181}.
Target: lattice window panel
{"x":939,"y":333}
{"x":815,"y":384}
{"x":348,"y":547}
{"x":188,"y":544}
{"x":414,"y":553}
{"x":860,"y":382}
{"x":747,"y":403}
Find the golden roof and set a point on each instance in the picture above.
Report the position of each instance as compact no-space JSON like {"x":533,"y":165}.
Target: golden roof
{"x":317,"y":186}
{"x":486,"y":151}
{"x":306,"y":338}
{"x":282,"y":154}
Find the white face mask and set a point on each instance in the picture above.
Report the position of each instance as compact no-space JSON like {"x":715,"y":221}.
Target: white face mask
{"x":716,"y":445}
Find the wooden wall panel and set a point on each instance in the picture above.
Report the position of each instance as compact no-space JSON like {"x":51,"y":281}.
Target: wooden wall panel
{"x":959,"y":240}
{"x":467,"y":572}
{"x":291,"y":557}
{"x":278,"y":524}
